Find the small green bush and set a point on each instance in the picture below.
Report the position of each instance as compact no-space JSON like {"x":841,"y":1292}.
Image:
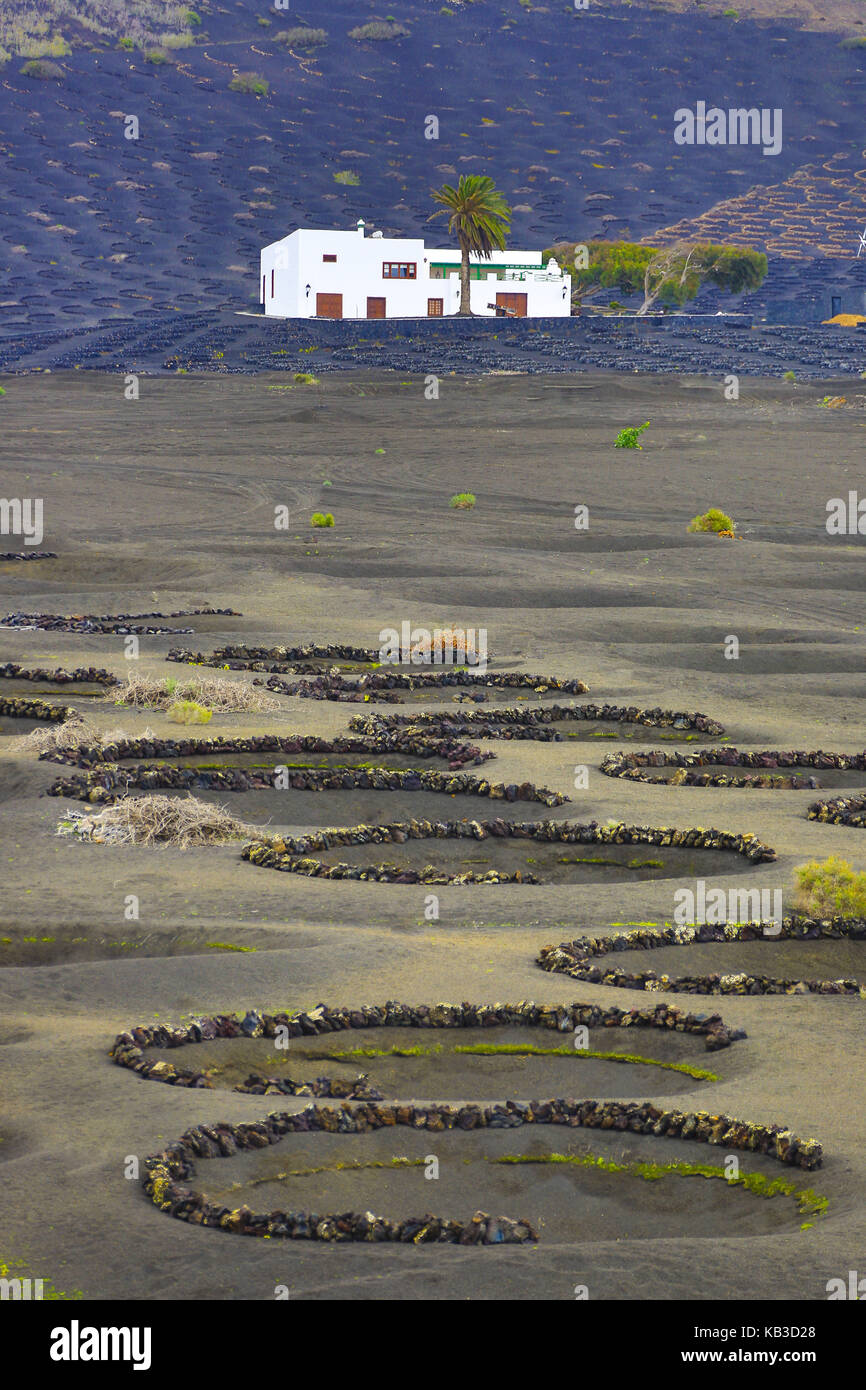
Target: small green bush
{"x":302,"y":36}
{"x":379,"y":29}
{"x":628,"y":437}
{"x":43,"y":71}
{"x":789,"y":376}
{"x":126,"y":43}
{"x":192,"y":19}
{"x":713,"y":520}
{"x":321,"y":519}
{"x":830,"y":889}
{"x":305,"y":379}
{"x":347,"y":176}
{"x":188,"y":712}
{"x":464,"y":500}
{"x":157,"y":56}
{"x":853,"y":43}
{"x":250,"y":82}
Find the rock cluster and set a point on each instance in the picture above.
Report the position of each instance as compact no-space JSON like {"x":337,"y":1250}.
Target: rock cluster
{"x":15,"y":707}
{"x":111,"y":622}
{"x":337,"y":1088}
{"x":130,"y":1046}
{"x":166,"y":1174}
{"x":455,"y":753}
{"x":633,"y":766}
{"x":29,"y":555}
{"x":107,"y":782}
{"x":576,"y":958}
{"x":91,"y":675}
{"x":533,"y":723}
{"x":842,"y":810}
{"x":291,"y":855}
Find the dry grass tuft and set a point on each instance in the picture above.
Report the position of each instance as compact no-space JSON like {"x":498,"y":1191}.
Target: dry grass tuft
{"x":215,"y":693}
{"x":149,"y":820}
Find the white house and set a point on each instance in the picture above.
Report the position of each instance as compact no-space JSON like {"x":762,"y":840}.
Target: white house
{"x":348,"y":275}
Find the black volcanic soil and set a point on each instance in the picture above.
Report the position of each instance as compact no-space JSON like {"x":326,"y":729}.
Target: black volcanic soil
{"x":169,"y":501}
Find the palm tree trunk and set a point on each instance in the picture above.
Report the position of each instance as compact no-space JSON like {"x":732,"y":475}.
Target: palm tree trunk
{"x":465,"y":309}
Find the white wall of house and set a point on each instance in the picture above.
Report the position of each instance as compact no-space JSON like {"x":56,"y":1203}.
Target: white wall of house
{"x":346,"y":274}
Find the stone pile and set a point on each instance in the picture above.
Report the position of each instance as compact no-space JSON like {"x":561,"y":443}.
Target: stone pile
{"x":90,"y":675}
{"x":576,"y":958}
{"x":166,"y":1174}
{"x":107,"y":782}
{"x":291,"y":854}
{"x":533,"y":723}
{"x":406,"y":744}
{"x":842,"y":810}
{"x":634,"y":767}
{"x":107,"y":623}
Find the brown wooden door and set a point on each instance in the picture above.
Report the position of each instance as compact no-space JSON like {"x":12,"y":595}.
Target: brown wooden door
{"x":434,"y":308}
{"x":515,"y":302}
{"x":375,"y":308}
{"x":329,"y":306}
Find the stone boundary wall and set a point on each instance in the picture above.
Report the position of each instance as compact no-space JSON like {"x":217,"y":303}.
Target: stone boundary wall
{"x":89,"y":675}
{"x":633,"y":766}
{"x":530,"y":723}
{"x":286,"y":659}
{"x":16,"y":707}
{"x":842,"y":810}
{"x":107,"y":783}
{"x":166,"y":1173}
{"x":28,"y":555}
{"x":290,"y":854}
{"x":404,"y":743}
{"x":576,"y":958}
{"x":110,"y":622}
{"x":130,"y":1046}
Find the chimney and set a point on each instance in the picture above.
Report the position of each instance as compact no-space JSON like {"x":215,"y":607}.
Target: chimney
{"x":360,"y":226}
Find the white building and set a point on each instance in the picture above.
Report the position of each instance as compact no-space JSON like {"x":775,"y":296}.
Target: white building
{"x":347,"y":275}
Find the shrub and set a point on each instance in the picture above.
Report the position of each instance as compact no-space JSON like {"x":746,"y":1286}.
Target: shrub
{"x":250,"y":82}
{"x":713,"y":520}
{"x":42,"y":70}
{"x":302,"y":36}
{"x":379,"y":29}
{"x":192,"y":19}
{"x":789,"y":376}
{"x":221,"y":695}
{"x":347,"y":176}
{"x":126,"y":43}
{"x":830,"y":889}
{"x":148,"y":820}
{"x":305,"y":379}
{"x":321,"y":519}
{"x":157,"y":56}
{"x":628,"y":437}
{"x":853,"y":43}
{"x":464,"y":500}
{"x":176,"y":41}
{"x":188,"y":712}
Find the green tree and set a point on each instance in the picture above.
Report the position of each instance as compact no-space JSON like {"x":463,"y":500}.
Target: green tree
{"x":479,"y":217}
{"x":672,"y":275}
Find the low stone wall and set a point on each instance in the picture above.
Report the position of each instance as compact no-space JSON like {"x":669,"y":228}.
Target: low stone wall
{"x":842,"y":810}
{"x":283,"y":659}
{"x":576,"y":958}
{"x":28,"y":555}
{"x":110,"y":622}
{"x":406,"y":744}
{"x":107,"y":783}
{"x":129,"y":1047}
{"x":634,"y":767}
{"x":15,"y":707}
{"x":289,"y":854}
{"x":165,"y":1174}
{"x":532,"y":723}
{"x":85,"y":675}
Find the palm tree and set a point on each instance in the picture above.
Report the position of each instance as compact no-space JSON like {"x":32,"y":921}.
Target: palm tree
{"x":479,"y":217}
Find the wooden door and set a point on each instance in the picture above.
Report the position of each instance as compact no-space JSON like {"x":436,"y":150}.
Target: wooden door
{"x":329,"y":306}
{"x":375,"y":308}
{"x":515,"y":302}
{"x":434,"y":308}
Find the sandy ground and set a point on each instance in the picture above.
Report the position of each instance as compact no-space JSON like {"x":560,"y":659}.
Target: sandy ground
{"x":169,"y":501}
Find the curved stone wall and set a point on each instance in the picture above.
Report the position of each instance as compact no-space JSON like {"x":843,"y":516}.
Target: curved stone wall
{"x":533,"y":723}
{"x":635,"y":767}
